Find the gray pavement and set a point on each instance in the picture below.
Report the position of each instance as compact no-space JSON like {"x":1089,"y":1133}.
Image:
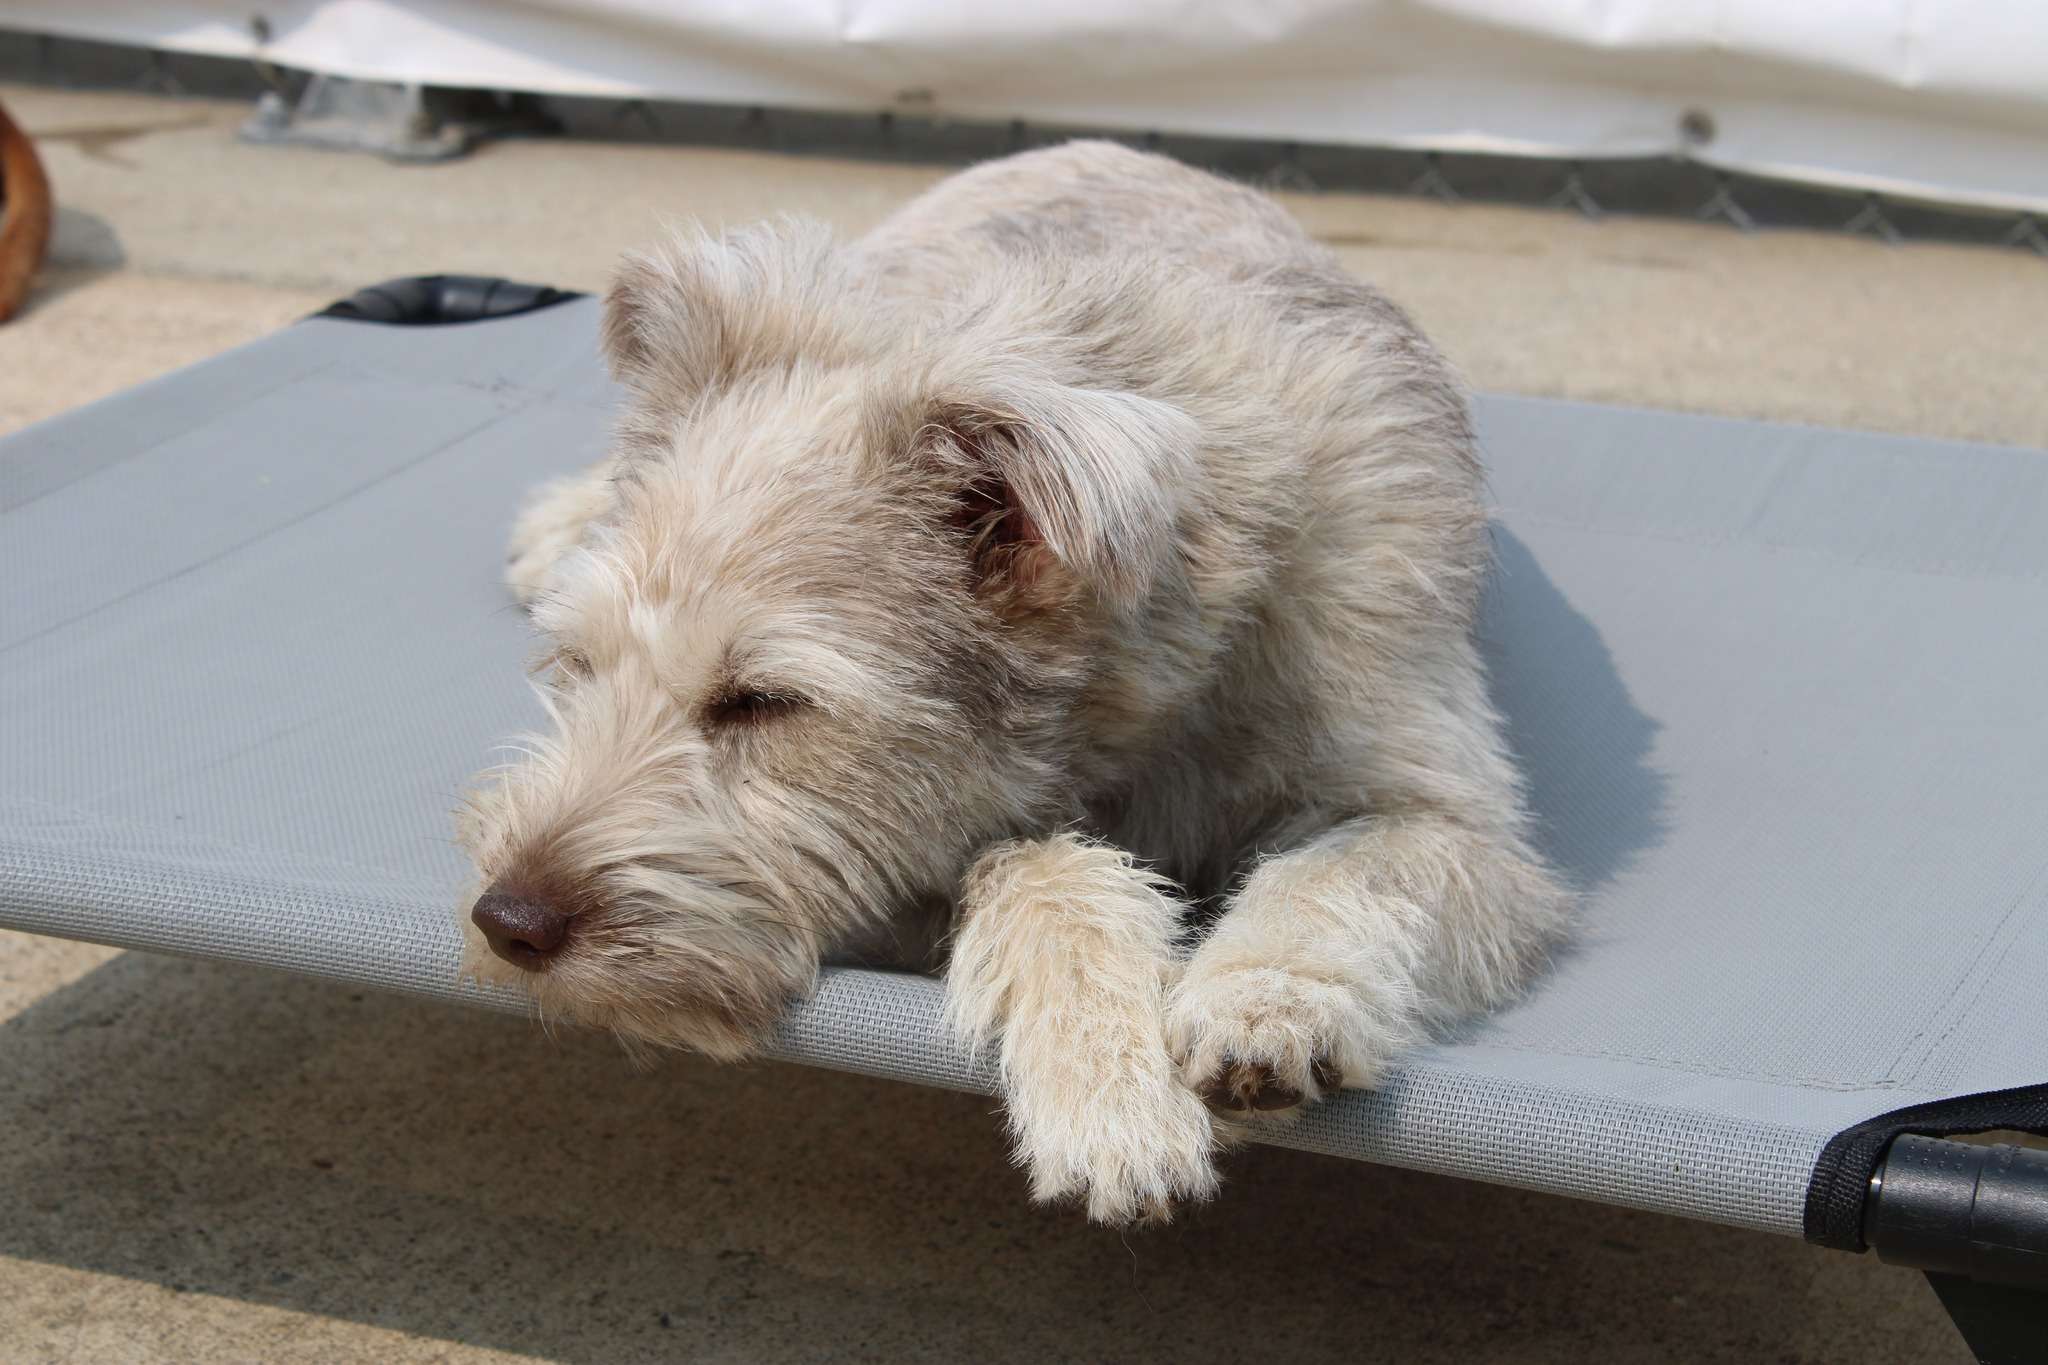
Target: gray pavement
{"x":215,"y":1164}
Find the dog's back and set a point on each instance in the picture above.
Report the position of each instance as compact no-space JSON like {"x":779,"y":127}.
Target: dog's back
{"x":1085,"y":198}
{"x":1337,"y":521}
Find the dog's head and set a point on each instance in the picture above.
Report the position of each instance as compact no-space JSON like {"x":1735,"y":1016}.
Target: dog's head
{"x":825,"y":645}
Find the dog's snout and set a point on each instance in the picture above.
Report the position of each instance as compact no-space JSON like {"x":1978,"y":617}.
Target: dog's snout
{"x":521,"y":930}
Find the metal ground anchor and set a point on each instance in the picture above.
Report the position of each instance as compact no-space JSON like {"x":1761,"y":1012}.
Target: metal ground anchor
{"x":1432,"y":181}
{"x":1870,"y":218}
{"x":1723,"y":204}
{"x":1575,"y":195}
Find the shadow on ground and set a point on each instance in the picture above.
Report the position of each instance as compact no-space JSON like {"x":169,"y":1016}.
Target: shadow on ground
{"x":83,"y":248}
{"x":462,"y":1177}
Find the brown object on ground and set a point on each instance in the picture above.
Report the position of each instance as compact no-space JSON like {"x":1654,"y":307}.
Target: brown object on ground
{"x":25,"y":213}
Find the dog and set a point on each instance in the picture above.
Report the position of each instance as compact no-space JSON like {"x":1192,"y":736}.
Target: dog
{"x":1074,"y":578}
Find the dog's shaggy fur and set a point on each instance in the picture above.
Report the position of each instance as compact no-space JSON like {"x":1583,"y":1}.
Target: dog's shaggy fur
{"x":1080,"y":548}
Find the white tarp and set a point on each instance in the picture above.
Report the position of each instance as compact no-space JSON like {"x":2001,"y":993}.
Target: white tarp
{"x":1943,"y":99}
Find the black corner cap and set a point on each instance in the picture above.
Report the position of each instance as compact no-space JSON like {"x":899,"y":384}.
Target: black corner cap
{"x":1959,"y":1208}
{"x":1838,"y":1189}
{"x":433,"y":300}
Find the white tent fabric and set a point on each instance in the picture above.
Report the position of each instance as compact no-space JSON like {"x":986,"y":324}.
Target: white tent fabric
{"x":1943,"y":101}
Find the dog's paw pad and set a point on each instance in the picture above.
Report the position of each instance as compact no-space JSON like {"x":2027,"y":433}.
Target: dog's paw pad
{"x":1262,"y":1044}
{"x":1244,"y":1087}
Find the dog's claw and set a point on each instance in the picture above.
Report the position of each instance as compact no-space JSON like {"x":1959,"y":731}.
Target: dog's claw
{"x":1254,"y":1049}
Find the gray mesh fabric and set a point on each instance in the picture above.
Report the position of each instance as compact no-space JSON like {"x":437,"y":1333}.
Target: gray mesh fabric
{"x":1778,"y":691}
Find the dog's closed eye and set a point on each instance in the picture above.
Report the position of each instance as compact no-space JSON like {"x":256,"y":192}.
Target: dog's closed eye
{"x":751,"y":706}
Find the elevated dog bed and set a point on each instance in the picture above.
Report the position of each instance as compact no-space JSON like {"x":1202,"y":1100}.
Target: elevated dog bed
{"x":1782,"y":694}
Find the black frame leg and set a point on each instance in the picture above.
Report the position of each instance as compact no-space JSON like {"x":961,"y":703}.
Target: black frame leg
{"x":1974,"y":1218}
{"x":2002,"y":1324}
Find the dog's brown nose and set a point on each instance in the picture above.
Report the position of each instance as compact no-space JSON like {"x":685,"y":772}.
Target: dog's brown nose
{"x":523,"y":932}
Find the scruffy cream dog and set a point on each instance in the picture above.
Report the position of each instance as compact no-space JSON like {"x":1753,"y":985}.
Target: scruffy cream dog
{"x":1081,"y":547}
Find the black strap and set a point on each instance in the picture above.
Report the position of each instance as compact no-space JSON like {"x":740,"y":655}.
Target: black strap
{"x":1841,"y":1178}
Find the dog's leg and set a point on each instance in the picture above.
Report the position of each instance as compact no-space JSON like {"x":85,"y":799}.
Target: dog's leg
{"x":1335,"y":956}
{"x":1061,"y":960}
{"x":551,"y":523}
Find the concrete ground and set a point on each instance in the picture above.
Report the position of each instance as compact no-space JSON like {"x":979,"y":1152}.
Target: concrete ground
{"x":206,"y":1163}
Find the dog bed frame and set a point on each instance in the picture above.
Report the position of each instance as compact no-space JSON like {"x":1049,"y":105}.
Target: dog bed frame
{"x":1782,"y":694}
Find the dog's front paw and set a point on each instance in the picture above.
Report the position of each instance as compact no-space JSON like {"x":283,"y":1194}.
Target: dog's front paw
{"x":551,"y":524}
{"x":1262,"y":1042}
{"x":1131,"y":1154}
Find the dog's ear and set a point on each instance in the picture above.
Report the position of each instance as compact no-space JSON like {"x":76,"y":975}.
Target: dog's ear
{"x":696,"y":311}
{"x":1059,"y":487}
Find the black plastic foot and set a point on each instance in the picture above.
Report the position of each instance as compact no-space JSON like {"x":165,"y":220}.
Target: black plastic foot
{"x":1974,"y":1217}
